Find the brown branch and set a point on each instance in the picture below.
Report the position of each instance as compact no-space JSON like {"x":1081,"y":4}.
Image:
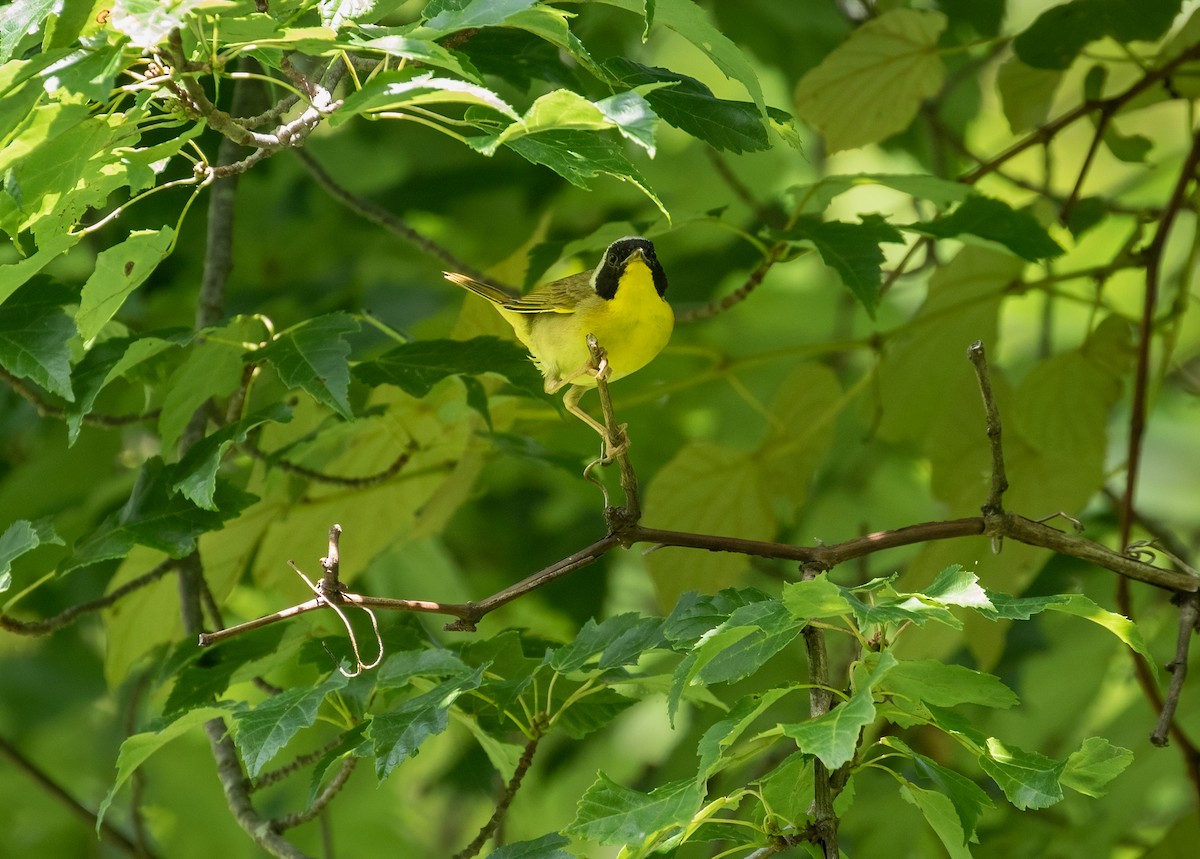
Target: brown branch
{"x":1189,"y":625}
{"x":319,"y":804}
{"x":381,"y":217}
{"x":510,"y":791}
{"x":999,"y":483}
{"x":46,"y":409}
{"x":88,"y":816}
{"x":825,"y":821}
{"x":336,"y":479}
{"x":1068,"y":206}
{"x":739,"y":295}
{"x":63,"y":618}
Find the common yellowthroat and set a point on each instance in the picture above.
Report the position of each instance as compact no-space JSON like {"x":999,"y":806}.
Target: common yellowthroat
{"x":622,"y":303}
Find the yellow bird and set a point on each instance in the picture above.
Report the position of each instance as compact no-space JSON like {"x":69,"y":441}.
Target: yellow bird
{"x":622,"y":303}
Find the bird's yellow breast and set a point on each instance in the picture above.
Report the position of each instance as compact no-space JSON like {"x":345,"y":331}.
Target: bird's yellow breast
{"x":633,"y":326}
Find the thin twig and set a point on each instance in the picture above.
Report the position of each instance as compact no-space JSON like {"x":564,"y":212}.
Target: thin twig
{"x":510,"y":791}
{"x":48,"y":410}
{"x":335,"y":479}
{"x":999,"y":483}
{"x":107,"y":831}
{"x":1189,"y":617}
{"x":825,"y":819}
{"x":739,"y":295}
{"x":382,"y":217}
{"x":63,"y":618}
{"x":319,"y":804}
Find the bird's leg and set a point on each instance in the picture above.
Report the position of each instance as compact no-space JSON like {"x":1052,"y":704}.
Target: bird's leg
{"x":571,"y":401}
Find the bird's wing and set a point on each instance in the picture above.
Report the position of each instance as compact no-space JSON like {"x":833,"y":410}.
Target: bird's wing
{"x":560,"y":296}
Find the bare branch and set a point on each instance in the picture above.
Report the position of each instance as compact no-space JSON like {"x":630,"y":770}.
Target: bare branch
{"x":1189,"y":625}
{"x":510,"y":791}
{"x":978,"y":358}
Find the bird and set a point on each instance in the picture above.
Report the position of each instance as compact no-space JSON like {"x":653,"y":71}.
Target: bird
{"x":622,"y":303}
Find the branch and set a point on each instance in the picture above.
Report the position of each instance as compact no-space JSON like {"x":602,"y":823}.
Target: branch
{"x":319,"y":804}
{"x":978,"y":359}
{"x":380,"y":216}
{"x":58,"y":621}
{"x":1189,"y":625}
{"x":88,"y":816}
{"x":45,"y":409}
{"x":739,"y":295}
{"x":825,"y":821}
{"x":336,"y":479}
{"x":510,"y":791}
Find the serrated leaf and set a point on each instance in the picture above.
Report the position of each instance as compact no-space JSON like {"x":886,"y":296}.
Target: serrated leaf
{"x":157,"y":517}
{"x":20,"y":537}
{"x":449,"y":17}
{"x":391,"y":91}
{"x":399,"y":669}
{"x":995,"y":221}
{"x":1028,"y":779}
{"x":714,"y":746}
{"x":833,"y":737}
{"x":592,"y":713}
{"x":968,"y":799}
{"x":1094,"y":765}
{"x":1119,"y":625}
{"x":417,"y":366}
{"x":147,"y":22}
{"x":263,"y":731}
{"x":18,"y":20}
{"x":609,"y":813}
{"x":547,"y":847}
{"x":730,"y":126}
{"x":872,"y":85}
{"x":695,"y":614}
{"x":852,"y":250}
{"x":578,"y":156}
{"x":35,"y":334}
{"x":815,"y":598}
{"x":196,"y":474}
{"x":620,"y":639}
{"x":931,"y":682}
{"x":120,"y":270}
{"x":110,"y":360}
{"x":942,"y":817}
{"x":313,"y":356}
{"x":1061,"y":32}
{"x":208,"y":675}
{"x":137,"y":748}
{"x":398,"y":734}
{"x":956,"y":586}
{"x":423,"y":51}
{"x":213,"y":368}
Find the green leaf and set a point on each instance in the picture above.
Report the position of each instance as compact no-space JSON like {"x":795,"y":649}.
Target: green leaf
{"x":931,"y":682}
{"x":694,"y":615}
{"x":399,"y":669}
{"x":417,"y":366}
{"x":263,"y":731}
{"x":815,"y":198}
{"x":1094,"y":765}
{"x":1061,"y":32}
{"x":158,"y":517}
{"x":833,"y":737}
{"x":717,"y":741}
{"x":1026,"y":93}
{"x":137,"y":748}
{"x":547,"y":847}
{"x":939,"y":812}
{"x":393,"y":91}
{"x":618,"y":640}
{"x":313,"y":356}
{"x":956,"y":586}
{"x":1119,"y":625}
{"x":196,"y":474}
{"x":421,"y":51}
{"x":591,"y":713}
{"x":815,"y":598}
{"x":692,"y":23}
{"x":20,"y":537}
{"x":202,"y":680}
{"x":611,"y":814}
{"x":120,"y":270}
{"x":995,"y":221}
{"x":730,"y":126}
{"x":110,"y":360}
{"x":1028,"y":779}
{"x":967,"y":798}
{"x":147,"y":22}
{"x":448,"y":16}
{"x":397,"y":735}
{"x":35,"y":336}
{"x":580,"y":155}
{"x":213,"y":368}
{"x":872,"y":85}
{"x":852,"y":250}
{"x":18,"y":20}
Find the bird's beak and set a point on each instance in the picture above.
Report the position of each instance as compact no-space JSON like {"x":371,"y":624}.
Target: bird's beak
{"x":637,"y":254}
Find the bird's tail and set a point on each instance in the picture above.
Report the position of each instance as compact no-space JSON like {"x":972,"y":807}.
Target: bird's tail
{"x":494,"y":294}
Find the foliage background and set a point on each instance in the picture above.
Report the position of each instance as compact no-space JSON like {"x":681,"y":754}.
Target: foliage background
{"x":808,"y":412}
